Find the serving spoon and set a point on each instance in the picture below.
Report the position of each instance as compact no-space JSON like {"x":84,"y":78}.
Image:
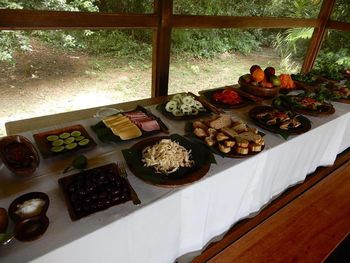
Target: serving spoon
{"x":6,"y":238}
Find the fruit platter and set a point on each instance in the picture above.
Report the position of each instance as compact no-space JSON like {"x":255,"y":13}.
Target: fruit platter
{"x":93,"y":190}
{"x":128,"y":125}
{"x":307,"y":103}
{"x":278,"y":121}
{"x":168,"y":161}
{"x":227,"y":137}
{"x":61,"y":141}
{"x":183,"y":106}
{"x":261,"y":83}
{"x":226,"y":97}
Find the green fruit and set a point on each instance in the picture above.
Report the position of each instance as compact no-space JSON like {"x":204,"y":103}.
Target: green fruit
{"x":69,"y":140}
{"x":58,"y":142}
{"x":247,"y":78}
{"x":64,"y":135}
{"x":75,"y":133}
{"x":84,"y":142}
{"x":79,"y":138}
{"x":79,"y":162}
{"x":275,"y":80}
{"x":52,"y":138}
{"x":57,"y":149}
{"x":71,"y":146}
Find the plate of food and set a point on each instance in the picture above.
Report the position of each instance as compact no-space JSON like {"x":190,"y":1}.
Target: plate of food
{"x":168,"y":161}
{"x":278,"y":121}
{"x":129,"y":125}
{"x":183,"y":106}
{"x":225,"y":97}
{"x":339,"y":92}
{"x":94,"y":190}
{"x":66,"y":140}
{"x":307,"y":103}
{"x":227,"y":137}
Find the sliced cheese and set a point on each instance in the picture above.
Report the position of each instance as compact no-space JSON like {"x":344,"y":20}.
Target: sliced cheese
{"x":130,"y":133}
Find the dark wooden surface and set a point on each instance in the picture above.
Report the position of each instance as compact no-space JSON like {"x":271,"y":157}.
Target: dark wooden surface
{"x":306,"y":230}
{"x":318,"y":35}
{"x":244,"y":226}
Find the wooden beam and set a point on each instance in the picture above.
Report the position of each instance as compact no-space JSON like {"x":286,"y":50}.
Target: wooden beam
{"x":318,"y":35}
{"x":43,"y":20}
{"x":185,"y":21}
{"x":161,"y":48}
{"x":343,"y":26}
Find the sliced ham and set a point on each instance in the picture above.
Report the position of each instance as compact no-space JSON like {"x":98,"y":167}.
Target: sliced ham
{"x":149,"y":125}
{"x":142,"y":119}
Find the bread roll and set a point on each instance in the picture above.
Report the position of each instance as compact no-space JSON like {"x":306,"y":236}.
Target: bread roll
{"x":242,"y":142}
{"x":222,"y":121}
{"x":241,"y":150}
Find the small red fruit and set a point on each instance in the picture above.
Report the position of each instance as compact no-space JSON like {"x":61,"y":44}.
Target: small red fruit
{"x":269,"y":71}
{"x":253,"y":68}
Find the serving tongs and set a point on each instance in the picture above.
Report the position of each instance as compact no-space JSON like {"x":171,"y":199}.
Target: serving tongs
{"x":207,"y":104}
{"x":122,"y":172}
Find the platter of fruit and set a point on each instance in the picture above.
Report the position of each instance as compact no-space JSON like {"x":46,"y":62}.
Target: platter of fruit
{"x":62,"y":141}
{"x":183,"y":106}
{"x":227,"y":137}
{"x":287,"y":83}
{"x":308,"y":103}
{"x":261,"y":83}
{"x":225,"y":97}
{"x":128,"y":125}
{"x":94,"y":190}
{"x":279,"y":121}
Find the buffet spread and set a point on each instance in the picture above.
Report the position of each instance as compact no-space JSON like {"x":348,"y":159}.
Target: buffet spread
{"x":195,"y":166}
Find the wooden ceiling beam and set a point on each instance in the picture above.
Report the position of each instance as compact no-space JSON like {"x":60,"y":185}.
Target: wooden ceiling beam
{"x":343,"y":26}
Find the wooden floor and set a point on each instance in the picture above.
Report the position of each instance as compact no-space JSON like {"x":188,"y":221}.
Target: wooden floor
{"x":305,"y":230}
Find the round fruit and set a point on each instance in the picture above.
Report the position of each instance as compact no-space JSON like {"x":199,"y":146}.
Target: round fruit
{"x":57,"y":149}
{"x":84,"y":142}
{"x":69,"y":140}
{"x":71,"y":146}
{"x":258,"y":75}
{"x":52,"y":138}
{"x":58,"y":142}
{"x":64,"y":135}
{"x":266,"y":84}
{"x":79,"y":138}
{"x":275,"y":80}
{"x":253,"y":68}
{"x":247,"y":78}
{"x":269,"y":71}
{"x":75,"y":133}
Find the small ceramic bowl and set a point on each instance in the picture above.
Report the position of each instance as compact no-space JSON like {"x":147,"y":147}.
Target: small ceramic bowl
{"x":31,"y":228}
{"x":17,"y":214}
{"x":19,"y":155}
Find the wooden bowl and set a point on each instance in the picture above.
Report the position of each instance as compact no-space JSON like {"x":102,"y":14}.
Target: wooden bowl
{"x":19,"y":155}
{"x":259,"y":91}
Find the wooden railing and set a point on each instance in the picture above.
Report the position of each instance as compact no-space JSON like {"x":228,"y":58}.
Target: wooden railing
{"x":162,"y":21}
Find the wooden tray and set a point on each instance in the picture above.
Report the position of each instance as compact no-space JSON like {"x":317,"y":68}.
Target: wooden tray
{"x":102,"y":191}
{"x":259,"y":91}
{"x":45,"y":146}
{"x":304,"y":127}
{"x":183,"y":176}
{"x":208,"y":94}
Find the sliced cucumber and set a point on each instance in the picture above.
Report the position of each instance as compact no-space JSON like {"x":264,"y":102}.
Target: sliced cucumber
{"x":69,"y":140}
{"x":186,"y":109}
{"x":197,"y":105}
{"x":64,"y":135}
{"x":75,"y":133}
{"x":71,"y":146}
{"x":177,"y":113}
{"x":176,"y":97}
{"x":188,"y":100}
{"x":171,"y":106}
{"x":57,"y":149}
{"x":58,"y":142}
{"x":79,"y":138}
{"x":84,"y":142}
{"x":194,"y":111}
{"x":52,"y":138}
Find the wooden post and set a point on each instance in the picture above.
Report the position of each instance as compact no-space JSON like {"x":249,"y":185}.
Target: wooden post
{"x":161,"y":48}
{"x":318,"y":35}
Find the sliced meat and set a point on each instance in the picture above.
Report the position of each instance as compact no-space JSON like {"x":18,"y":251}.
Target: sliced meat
{"x":150,"y":125}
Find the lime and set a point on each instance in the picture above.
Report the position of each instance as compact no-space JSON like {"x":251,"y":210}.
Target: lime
{"x":79,"y":162}
{"x":69,"y":140}
{"x":71,"y":146}
{"x":64,"y":135}
{"x":79,"y":138}
{"x":84,"y":142}
{"x":52,"y":138}
{"x":57,"y":149}
{"x":75,"y":133}
{"x":58,"y":142}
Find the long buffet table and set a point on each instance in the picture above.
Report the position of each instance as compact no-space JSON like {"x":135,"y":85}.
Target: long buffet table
{"x":169,"y":222}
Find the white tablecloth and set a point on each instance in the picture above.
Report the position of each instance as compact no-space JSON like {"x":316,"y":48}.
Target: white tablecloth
{"x":173,"y":222}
